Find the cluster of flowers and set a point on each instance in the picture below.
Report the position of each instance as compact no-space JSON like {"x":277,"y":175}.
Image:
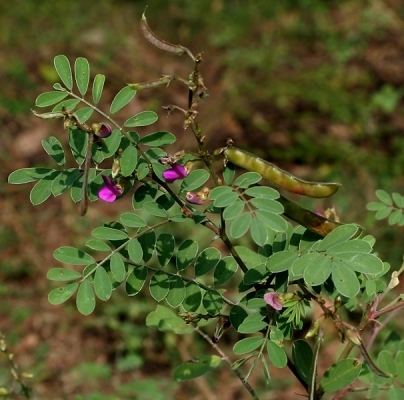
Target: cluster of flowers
{"x":112,"y":190}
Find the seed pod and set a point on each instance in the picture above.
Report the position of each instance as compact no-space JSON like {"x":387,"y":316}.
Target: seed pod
{"x":156,"y":41}
{"x":277,"y":176}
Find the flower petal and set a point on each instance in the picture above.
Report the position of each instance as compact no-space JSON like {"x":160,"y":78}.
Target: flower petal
{"x":272,"y":299}
{"x":106,"y":193}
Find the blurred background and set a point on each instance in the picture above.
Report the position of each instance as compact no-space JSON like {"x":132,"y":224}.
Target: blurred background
{"x":315,"y":86}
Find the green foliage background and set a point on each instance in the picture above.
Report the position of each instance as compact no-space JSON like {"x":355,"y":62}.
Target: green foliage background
{"x":315,"y":86}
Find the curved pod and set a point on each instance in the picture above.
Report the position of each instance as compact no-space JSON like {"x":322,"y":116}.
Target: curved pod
{"x":279,"y":177}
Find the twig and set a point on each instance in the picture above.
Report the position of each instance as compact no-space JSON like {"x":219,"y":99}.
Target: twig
{"x":14,"y":369}
{"x":226,"y":359}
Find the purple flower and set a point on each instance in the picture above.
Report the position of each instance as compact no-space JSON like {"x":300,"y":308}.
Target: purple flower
{"x":194,"y":198}
{"x":110,"y":191}
{"x":104,"y":130}
{"x":177,"y":171}
{"x":273,"y":299}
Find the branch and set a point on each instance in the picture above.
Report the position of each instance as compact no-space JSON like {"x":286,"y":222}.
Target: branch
{"x":226,"y":359}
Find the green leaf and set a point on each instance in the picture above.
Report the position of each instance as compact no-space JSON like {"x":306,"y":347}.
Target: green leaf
{"x":340,"y":375}
{"x":384,"y":197}
{"x":122,"y":99}
{"x":167,"y":321}
{"x":247,"y":179}
{"x":227,"y":199}
{"x":73,"y":256}
{"x":143,"y":118}
{"x":82,"y":74}
{"x":385,"y":360}
{"x":63,"y":275}
{"x":395,"y":393}
{"x":158,"y":139}
{"x":66,"y":105}
{"x":165,"y":246}
{"x":276,"y":355}
{"x":302,"y":356}
{"x":213,"y":302}
{"x":237,"y":316}
{"x":85,"y":299}
{"x":107,"y":233}
{"x":272,"y":206}
{"x":229,"y":173}
{"x":206,"y":261}
{"x":117,"y":266}
{"x":338,"y":235}
{"x":364,"y":263}
{"x":345,"y":279}
{"x":107,"y":147}
{"x":102,"y":284}
{"x":225,"y":270}
{"x":195,"y":368}
{"x":350,"y":247}
{"x":282,"y":260}
{"x":135,"y":250}
{"x":317,"y":268}
{"x":375,"y":206}
{"x":159,"y":286}
{"x":63,"y":69}
{"x":41,"y":191}
{"x":54,"y":148}
{"x":252,"y":324}
{"x":83,"y":114}
{"x":219,"y":191}
{"x":240,"y":226}
{"x":395,"y":217}
{"x":64,"y":180}
{"x":398,"y":199}
{"x":195,"y":180}
{"x":263,"y":192}
{"x":177,"y":292}
{"x":193,"y":297}
{"x":383,"y":213}
{"x":50,"y":98}
{"x":187,"y":252}
{"x":98,"y":87}
{"x":132,"y":220}
{"x":273,"y":221}
{"x":26,"y":175}
{"x":258,"y":231}
{"x":78,"y":142}
{"x":136,"y":281}
{"x":233,"y":210}
{"x":62,"y":294}
{"x":128,"y":159}
{"x":399,"y":365}
{"x":148,"y":243}
{"x":248,"y":345}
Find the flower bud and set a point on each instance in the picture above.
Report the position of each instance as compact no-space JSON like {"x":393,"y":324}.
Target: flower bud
{"x":102,"y":130}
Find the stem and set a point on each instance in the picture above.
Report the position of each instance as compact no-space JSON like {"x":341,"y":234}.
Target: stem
{"x":388,"y":309}
{"x":226,"y":359}
{"x":87,"y":164}
{"x":14,"y":369}
{"x":184,"y":278}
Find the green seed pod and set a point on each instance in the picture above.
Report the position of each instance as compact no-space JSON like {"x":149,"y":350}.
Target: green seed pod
{"x":277,"y":176}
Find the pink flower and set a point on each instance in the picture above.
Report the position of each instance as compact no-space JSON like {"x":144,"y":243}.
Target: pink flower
{"x":177,"y":171}
{"x":110,"y":191}
{"x":273,"y":300}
